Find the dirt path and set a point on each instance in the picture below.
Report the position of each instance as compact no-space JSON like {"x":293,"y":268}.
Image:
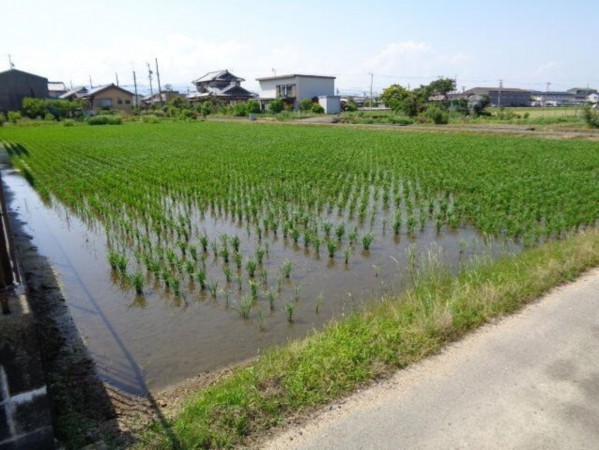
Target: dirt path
{"x":529,"y":381}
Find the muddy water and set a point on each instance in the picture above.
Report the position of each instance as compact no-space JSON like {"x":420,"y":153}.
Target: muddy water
{"x":159,"y":339}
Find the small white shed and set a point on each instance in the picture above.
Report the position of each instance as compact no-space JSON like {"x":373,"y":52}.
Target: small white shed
{"x":330,"y":103}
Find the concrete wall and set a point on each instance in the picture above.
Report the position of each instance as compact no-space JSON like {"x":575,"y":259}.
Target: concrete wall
{"x":330,"y":103}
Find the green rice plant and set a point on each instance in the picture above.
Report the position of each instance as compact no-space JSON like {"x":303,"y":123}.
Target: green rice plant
{"x":193,"y":252}
{"x":201,"y":278}
{"x":238,"y":260}
{"x":235,"y":242}
{"x":332,"y":247}
{"x":214,"y":245}
{"x":250,"y":266}
{"x":113,"y":259}
{"x":397,"y":222}
{"x":367,"y":241}
{"x":327,"y":227}
{"x":260,"y":320}
{"x":295,"y":234}
{"x":264,"y":277}
{"x":260,"y":252}
{"x":228,"y":273}
{"x":122,"y":264}
{"x":272,"y":297}
{"x":316,"y":242}
{"x":319,"y":301}
{"x":296,"y":292}
{"x":340,"y":231}
{"x":176,"y":285}
{"x":213,"y":288}
{"x":286,"y":268}
{"x":137,"y":279}
{"x":346,"y":255}
{"x":245,"y":306}
{"x":224,"y":253}
{"x":204,"y":242}
{"x":290,"y":310}
{"x":254,"y":289}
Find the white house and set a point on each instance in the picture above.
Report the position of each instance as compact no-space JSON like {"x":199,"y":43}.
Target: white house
{"x":292,"y":89}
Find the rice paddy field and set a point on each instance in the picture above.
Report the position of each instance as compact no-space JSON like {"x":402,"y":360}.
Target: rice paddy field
{"x":188,"y":246}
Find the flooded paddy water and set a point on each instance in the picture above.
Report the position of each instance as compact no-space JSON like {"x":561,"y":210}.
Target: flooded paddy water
{"x":160,"y":338}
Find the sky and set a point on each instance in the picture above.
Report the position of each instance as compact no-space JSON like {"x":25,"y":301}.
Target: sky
{"x":525,"y":43}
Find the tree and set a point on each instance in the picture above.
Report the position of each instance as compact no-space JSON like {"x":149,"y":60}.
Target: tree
{"x":34,"y":107}
{"x":442,"y":86}
{"x":253,"y":107}
{"x":399,"y":99}
{"x":477,"y":104}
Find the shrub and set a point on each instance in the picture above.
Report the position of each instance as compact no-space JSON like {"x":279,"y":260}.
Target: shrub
{"x":68,"y":122}
{"x":150,"y":118}
{"x":240,"y":110}
{"x":2,"y":119}
{"x":104,"y":119}
{"x":437,"y":115}
{"x":276,"y":106}
{"x":252,"y":107}
{"x":305,"y":104}
{"x":13,"y":116}
{"x":591,"y":117}
{"x":317,"y":108}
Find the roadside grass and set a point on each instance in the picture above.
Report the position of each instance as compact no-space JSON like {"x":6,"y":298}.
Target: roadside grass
{"x":389,"y":335}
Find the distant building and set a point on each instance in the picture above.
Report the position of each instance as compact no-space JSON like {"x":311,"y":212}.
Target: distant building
{"x":581,"y":94}
{"x":501,"y":96}
{"x":160,"y":98}
{"x":553,"y":98}
{"x":15,"y":85}
{"x":293,"y":88}
{"x":74,"y":93}
{"x":110,"y":96}
{"x":56,"y":89}
{"x":330,"y":103}
{"x":222,"y":86}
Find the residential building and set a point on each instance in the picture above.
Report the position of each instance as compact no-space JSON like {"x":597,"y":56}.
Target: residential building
{"x":56,"y":89}
{"x":221,"y":86}
{"x":501,"y":96}
{"x":553,"y":98}
{"x":581,"y":94}
{"x":109,"y":96}
{"x":15,"y":85}
{"x":293,"y":88}
{"x":74,"y":93}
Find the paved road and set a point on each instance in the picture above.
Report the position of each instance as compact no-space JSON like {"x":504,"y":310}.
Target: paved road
{"x":531,"y":381}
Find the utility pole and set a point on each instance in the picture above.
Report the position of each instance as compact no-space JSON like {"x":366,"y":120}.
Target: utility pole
{"x":150,"y":78}
{"x":10,"y":63}
{"x":158,"y":79}
{"x":91,"y":86}
{"x":499,"y":96}
{"x":117,"y":78}
{"x":546,"y":93}
{"x":371,"y":81}
{"x":135,"y":84}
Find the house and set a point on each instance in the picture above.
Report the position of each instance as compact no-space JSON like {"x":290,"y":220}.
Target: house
{"x":221,"y":86}
{"x":161,"y":98}
{"x":581,"y":94}
{"x":293,"y":88}
{"x":501,"y":96}
{"x":592,"y":98}
{"x":109,"y":96}
{"x":553,"y":98}
{"x":15,"y":85}
{"x":56,"y":89}
{"x":74,"y":93}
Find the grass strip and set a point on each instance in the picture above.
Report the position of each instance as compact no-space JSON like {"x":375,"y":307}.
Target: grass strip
{"x":390,"y":334}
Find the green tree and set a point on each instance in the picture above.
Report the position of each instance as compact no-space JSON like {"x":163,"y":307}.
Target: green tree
{"x":442,"y":87}
{"x":400,"y":99}
{"x":253,"y":107}
{"x":34,"y":107}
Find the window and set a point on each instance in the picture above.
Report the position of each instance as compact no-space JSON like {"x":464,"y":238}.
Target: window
{"x":119,"y":101}
{"x":105,"y":102}
{"x":127,"y":102}
{"x":286,"y":90}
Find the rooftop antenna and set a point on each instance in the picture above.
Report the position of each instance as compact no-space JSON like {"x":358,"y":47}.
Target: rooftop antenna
{"x":91,"y":86}
{"x":10,"y":63}
{"x":117,"y":78}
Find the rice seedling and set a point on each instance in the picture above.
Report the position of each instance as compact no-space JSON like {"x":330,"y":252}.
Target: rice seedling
{"x":204,"y":242}
{"x":254,"y":289}
{"x":319,"y":301}
{"x":332,"y":247}
{"x":245,"y":306}
{"x":296,"y":292}
{"x":340,"y":231}
{"x":367,"y":241}
{"x":238,"y":260}
{"x":235,"y":242}
{"x":213,"y":288}
{"x":260,"y":320}
{"x":260,"y":253}
{"x":250,"y":266}
{"x":228,"y":273}
{"x":201,"y":278}
{"x":286,"y":268}
{"x":272,"y":296}
{"x":346,"y":255}
{"x":290,"y":310}
{"x":137,"y":279}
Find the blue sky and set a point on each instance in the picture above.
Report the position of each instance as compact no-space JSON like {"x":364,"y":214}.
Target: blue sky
{"x":525,"y":43}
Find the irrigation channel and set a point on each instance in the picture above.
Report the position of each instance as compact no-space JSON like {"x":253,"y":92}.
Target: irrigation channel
{"x":160,"y":338}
